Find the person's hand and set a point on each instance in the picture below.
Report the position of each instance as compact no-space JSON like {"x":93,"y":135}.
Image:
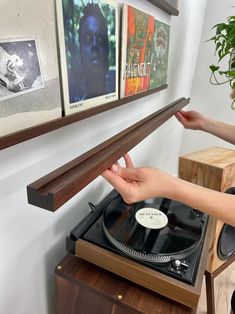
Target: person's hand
{"x":136,"y":184}
{"x":191,"y":119}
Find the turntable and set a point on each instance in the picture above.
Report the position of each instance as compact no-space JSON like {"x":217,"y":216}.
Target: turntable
{"x":159,"y":243}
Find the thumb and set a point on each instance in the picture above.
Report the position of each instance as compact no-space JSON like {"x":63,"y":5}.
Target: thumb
{"x":125,"y":173}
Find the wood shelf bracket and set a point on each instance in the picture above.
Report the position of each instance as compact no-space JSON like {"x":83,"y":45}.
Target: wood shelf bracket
{"x":56,"y":188}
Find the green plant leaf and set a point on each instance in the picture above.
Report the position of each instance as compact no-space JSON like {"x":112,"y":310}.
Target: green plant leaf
{"x":233,"y":105}
{"x":233,"y":64}
{"x":231,"y":73}
{"x":214,"y":67}
{"x":212,"y":38}
{"x":231,"y":18}
{"x":218,"y":45}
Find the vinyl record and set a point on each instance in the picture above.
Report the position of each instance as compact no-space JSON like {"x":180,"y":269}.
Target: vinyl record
{"x":156,"y":230}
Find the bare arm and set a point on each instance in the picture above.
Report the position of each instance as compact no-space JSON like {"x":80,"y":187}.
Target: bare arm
{"x":196,"y":121}
{"x":135,"y":184}
{"x":217,"y":204}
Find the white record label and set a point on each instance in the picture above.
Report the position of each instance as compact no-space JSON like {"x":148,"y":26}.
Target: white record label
{"x":151,"y":218}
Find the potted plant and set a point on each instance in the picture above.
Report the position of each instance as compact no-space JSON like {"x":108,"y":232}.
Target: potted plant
{"x":224,"y":40}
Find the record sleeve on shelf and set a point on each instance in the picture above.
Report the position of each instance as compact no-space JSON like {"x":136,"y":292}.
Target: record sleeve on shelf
{"x":29,"y":74}
{"x":137,"y":35}
{"x":88,"y":42}
{"x":159,"y":55}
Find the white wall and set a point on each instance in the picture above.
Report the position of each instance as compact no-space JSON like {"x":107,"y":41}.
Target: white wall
{"x":32,"y":240}
{"x":213,"y":101}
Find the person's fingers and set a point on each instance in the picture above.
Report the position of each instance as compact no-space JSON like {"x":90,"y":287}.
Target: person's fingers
{"x":128,"y":161}
{"x":184,"y":113}
{"x":115,"y":180}
{"x":180,"y":117}
{"x":130,"y":174}
{"x":183,"y":117}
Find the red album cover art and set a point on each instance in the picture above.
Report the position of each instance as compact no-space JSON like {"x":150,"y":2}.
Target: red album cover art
{"x":138,"y":31}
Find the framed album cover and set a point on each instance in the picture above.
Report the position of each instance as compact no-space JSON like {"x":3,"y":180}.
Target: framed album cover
{"x":20,"y":68}
{"x":88,"y":41}
{"x":137,"y":35}
{"x":29,"y":72}
{"x":159,"y":55}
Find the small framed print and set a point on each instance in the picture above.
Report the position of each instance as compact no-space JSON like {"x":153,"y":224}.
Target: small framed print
{"x":159,"y":54}
{"x":137,"y":35}
{"x":30,"y":91}
{"x":145,"y":48}
{"x":88,"y":42}
{"x":20,"y":69}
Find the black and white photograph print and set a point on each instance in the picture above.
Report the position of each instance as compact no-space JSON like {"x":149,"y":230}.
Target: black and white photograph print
{"x":20,"y":70}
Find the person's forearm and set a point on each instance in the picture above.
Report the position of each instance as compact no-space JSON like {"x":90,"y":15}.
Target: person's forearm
{"x":137,"y":184}
{"x":222,"y":130}
{"x":217,"y":204}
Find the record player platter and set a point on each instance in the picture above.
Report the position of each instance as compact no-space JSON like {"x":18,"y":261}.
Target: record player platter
{"x":162,"y":234}
{"x":156,"y":230}
{"x":159,"y":244}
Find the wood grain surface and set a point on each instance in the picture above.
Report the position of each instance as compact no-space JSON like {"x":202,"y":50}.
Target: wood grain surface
{"x":83,"y":288}
{"x":146,"y":277}
{"x":213,"y":168}
{"x":53,"y":190}
{"x":37,"y":130}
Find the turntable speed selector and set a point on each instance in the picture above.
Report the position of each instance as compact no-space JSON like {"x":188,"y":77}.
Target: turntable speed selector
{"x":180,"y":266}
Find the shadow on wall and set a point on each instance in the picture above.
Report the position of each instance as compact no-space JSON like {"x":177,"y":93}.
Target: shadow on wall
{"x":66,"y":222}
{"x":184,"y":47}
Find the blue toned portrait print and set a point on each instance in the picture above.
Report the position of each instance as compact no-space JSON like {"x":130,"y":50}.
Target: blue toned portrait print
{"x":90,"y":48}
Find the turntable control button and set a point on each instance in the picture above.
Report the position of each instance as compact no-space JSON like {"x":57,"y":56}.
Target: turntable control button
{"x":177,"y":263}
{"x":179,"y":266}
{"x":184,"y":266}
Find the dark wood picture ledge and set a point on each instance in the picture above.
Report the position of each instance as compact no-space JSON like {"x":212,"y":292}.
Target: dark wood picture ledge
{"x":53,"y":190}
{"x":29,"y":133}
{"x":165,"y":6}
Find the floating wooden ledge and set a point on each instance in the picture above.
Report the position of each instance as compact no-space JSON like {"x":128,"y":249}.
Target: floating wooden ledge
{"x":57,"y":187}
{"x":37,"y":130}
{"x":165,"y":6}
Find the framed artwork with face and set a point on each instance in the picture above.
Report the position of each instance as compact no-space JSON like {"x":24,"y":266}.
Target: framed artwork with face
{"x":88,"y":42}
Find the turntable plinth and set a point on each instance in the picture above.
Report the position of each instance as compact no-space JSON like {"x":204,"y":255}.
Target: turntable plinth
{"x":84,"y":288}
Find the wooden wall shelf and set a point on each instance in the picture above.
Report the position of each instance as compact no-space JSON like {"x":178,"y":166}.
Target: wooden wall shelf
{"x":165,"y":6}
{"x":29,"y":133}
{"x":53,"y":190}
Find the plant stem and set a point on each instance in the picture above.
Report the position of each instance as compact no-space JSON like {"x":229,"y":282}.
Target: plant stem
{"x":216,"y":81}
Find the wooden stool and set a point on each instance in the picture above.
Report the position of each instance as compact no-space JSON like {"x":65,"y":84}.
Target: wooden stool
{"x":213,"y":168}
{"x":83,"y":288}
